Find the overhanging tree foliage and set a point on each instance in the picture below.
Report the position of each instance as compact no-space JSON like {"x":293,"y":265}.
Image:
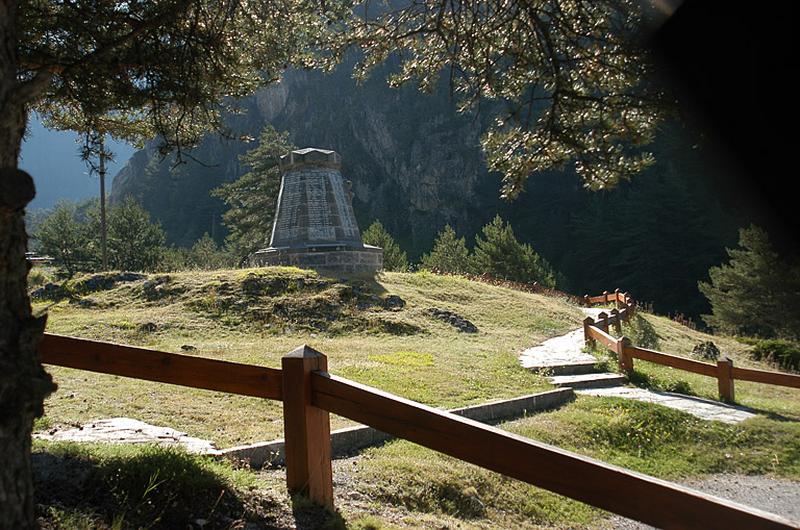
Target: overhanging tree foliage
{"x":174,"y":64}
{"x":568,"y":80}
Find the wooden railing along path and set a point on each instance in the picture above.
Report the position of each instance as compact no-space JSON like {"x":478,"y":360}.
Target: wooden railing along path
{"x":309,"y":394}
{"x":724,"y":371}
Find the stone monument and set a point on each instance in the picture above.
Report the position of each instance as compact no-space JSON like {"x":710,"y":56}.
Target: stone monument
{"x":315,"y":227}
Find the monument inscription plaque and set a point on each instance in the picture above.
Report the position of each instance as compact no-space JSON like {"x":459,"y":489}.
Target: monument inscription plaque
{"x":315,"y":226}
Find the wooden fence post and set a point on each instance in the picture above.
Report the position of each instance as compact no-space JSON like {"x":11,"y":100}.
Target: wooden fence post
{"x":605,"y":296}
{"x":616,"y":298}
{"x":725,"y":379}
{"x":626,"y":305}
{"x":624,"y":355}
{"x":586,"y":300}
{"x":602,"y":321}
{"x":307,"y":429}
{"x":587,"y":339}
{"x":615,"y":320}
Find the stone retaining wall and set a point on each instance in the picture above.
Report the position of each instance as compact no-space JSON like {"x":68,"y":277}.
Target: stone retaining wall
{"x":364,"y":260}
{"x":345,"y":442}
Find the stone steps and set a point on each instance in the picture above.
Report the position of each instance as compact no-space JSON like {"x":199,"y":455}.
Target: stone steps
{"x":570,"y":368}
{"x":592,"y":380}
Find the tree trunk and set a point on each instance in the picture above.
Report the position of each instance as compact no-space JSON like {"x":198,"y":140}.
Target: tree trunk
{"x":23,"y":382}
{"x":103,"y":226}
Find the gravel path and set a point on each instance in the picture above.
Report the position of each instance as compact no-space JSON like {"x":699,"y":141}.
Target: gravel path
{"x":775,"y":495}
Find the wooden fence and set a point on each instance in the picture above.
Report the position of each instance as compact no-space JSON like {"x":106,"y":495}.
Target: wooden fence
{"x":724,"y":371}
{"x":309,"y":394}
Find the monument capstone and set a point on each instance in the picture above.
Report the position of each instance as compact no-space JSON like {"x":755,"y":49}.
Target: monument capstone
{"x":315,"y":227}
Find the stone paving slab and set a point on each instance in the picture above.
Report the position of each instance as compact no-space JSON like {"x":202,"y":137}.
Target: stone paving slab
{"x":128,"y":430}
{"x":560,"y":351}
{"x":557,"y":351}
{"x":705,"y":409}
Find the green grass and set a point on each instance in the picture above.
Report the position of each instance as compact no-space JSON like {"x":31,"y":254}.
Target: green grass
{"x":402,"y":485}
{"x":651,"y":439}
{"x":258,"y":315}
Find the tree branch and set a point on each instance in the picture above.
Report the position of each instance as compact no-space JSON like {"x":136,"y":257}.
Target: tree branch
{"x":31,"y":89}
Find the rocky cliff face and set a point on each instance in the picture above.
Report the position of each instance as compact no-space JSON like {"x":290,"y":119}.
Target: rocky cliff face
{"x":415,"y":163}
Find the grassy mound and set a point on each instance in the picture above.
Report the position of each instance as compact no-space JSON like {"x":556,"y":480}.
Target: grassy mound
{"x":380,"y":332}
{"x":276,"y":299}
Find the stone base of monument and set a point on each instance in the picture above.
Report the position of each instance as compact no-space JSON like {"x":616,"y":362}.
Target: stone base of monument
{"x":336,"y":259}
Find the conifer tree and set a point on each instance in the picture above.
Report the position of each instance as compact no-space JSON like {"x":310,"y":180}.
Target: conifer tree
{"x":755,"y":293}
{"x":206,"y":254}
{"x":134,"y":242}
{"x":63,"y":238}
{"x":253,"y":196}
{"x":499,"y":254}
{"x":449,"y":254}
{"x":394,"y":258}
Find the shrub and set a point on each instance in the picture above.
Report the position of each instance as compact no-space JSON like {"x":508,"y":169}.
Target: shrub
{"x":784,"y":353}
{"x":641,"y":332}
{"x":135,"y":242}
{"x":38,"y":277}
{"x":754,"y":293}
{"x":63,"y":237}
{"x":205,"y":254}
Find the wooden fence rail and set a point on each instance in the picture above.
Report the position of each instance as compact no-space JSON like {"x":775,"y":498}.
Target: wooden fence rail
{"x":309,"y":394}
{"x":605,"y":486}
{"x":164,"y":367}
{"x":596,"y":330}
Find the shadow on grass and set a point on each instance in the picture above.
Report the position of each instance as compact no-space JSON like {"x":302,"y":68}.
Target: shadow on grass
{"x":642,"y":333}
{"x":310,"y":516}
{"x":124,"y":487}
{"x":649,"y":382}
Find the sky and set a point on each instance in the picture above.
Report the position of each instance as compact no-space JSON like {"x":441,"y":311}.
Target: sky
{"x":52,"y":158}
